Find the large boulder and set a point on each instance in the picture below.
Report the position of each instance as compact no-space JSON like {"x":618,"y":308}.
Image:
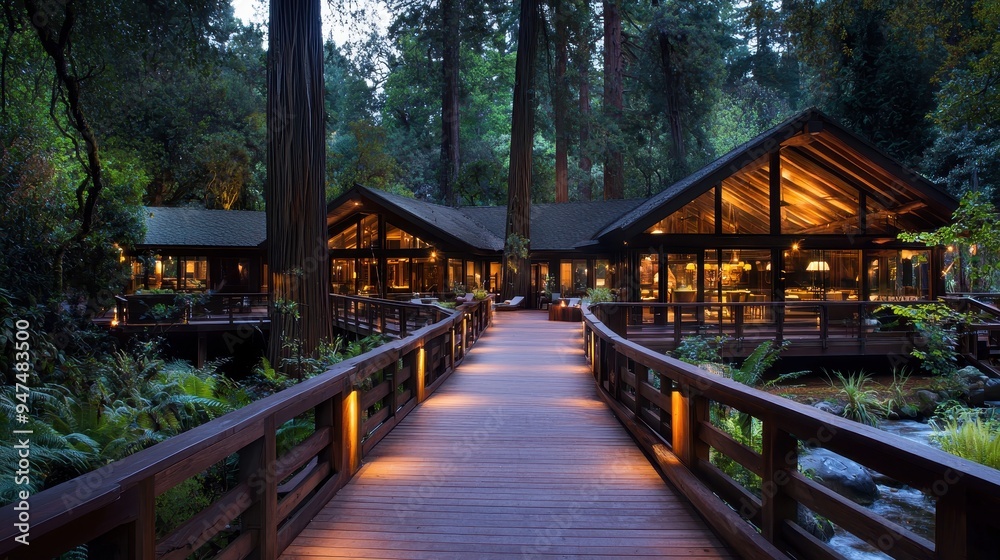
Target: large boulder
{"x":815,"y":525}
{"x":841,"y":475}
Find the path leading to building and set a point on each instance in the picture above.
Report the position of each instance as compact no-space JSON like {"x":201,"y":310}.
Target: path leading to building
{"x":514,"y":456}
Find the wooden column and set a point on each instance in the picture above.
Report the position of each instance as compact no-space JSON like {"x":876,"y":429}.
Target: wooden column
{"x":774,"y":186}
{"x":261,"y":516}
{"x":780,"y":455}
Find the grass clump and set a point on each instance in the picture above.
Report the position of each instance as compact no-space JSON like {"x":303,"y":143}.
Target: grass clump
{"x":861,"y":403}
{"x":967,"y":434}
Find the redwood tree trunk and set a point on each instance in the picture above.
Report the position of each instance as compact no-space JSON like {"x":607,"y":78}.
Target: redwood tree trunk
{"x":449,"y":101}
{"x":614,"y":168}
{"x":295,"y":192}
{"x":521,"y":146}
{"x":583,"y":70}
{"x":678,"y":151}
{"x":560,"y":98}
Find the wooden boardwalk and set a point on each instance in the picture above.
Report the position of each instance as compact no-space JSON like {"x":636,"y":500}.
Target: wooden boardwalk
{"x":514,"y":456}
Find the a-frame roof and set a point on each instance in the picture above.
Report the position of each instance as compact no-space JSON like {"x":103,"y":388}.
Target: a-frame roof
{"x":811,"y":144}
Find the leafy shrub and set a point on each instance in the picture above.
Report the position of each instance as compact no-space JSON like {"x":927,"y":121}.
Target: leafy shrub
{"x":699,"y":350}
{"x":971,"y":438}
{"x":599,"y":295}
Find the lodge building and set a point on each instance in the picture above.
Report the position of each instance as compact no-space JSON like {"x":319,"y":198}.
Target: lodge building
{"x":804,"y":211}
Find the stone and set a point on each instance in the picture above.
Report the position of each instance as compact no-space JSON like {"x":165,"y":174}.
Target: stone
{"x":991,"y":390}
{"x":832,"y":408}
{"x":842,"y":475}
{"x":970,"y":374}
{"x":927,"y":402}
{"x":815,"y":525}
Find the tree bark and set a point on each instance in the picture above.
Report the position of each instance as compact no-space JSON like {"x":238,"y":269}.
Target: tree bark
{"x":521,"y":147}
{"x":560,"y":98}
{"x":614,"y":166}
{"x":295,"y":191}
{"x":583,"y":71}
{"x":450,"y":161}
{"x":678,"y":151}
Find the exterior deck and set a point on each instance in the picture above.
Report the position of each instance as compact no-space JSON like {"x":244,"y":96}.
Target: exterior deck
{"x":515,"y":456}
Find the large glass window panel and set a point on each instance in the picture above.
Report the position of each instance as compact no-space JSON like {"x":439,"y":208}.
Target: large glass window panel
{"x":369,"y":231}
{"x":815,"y":201}
{"x":346,"y":239}
{"x":342,"y":276}
{"x":455,"y":276}
{"x":745,"y":199}
{"x":369,"y":282}
{"x":396,"y":238}
{"x":697,"y":216}
{"x":473,"y":275}
{"x":649,"y":277}
{"x":602,"y":274}
{"x":427,"y":275}
{"x":398,"y":275}
{"x":195,"y":273}
{"x":898,"y":275}
{"x":565,"y":278}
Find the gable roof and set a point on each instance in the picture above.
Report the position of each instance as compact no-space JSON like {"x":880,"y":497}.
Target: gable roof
{"x":431,"y":220}
{"x":817,"y":139}
{"x":197,"y":227}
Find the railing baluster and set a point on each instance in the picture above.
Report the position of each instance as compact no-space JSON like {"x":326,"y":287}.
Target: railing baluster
{"x":260,"y":517}
{"x":780,"y":455}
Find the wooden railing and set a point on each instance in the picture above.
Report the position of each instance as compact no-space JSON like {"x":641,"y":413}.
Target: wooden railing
{"x":846,"y":325}
{"x":666,"y":405}
{"x":366,"y":315}
{"x":140,"y":309}
{"x":350,"y":407}
{"x":979,"y":342}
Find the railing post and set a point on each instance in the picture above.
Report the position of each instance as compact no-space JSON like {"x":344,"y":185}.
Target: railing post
{"x":329,"y":417}
{"x":780,"y":456}
{"x":824,"y":325}
{"x":951,"y":526}
{"x":256,"y":468}
{"x":688,"y":409}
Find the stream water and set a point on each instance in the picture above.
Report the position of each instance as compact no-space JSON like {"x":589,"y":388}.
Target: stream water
{"x":905,"y":506}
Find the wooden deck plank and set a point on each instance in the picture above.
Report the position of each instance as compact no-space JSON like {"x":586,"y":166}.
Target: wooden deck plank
{"x":513,"y":456}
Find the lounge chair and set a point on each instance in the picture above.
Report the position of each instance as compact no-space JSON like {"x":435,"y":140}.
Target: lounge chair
{"x":510,"y":304}
{"x":467,"y":298}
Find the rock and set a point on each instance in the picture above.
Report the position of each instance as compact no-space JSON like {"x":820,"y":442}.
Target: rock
{"x":832,"y":408}
{"x":991,"y":390}
{"x":843,"y":476}
{"x":927,"y":402}
{"x":881,"y":479}
{"x":817,"y":526}
{"x":970,"y":374}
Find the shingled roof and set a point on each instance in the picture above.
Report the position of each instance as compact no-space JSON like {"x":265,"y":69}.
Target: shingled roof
{"x":197,"y":227}
{"x":557,"y":227}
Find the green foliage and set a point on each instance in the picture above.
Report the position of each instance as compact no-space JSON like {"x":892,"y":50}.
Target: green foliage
{"x":862,"y":404}
{"x":599,"y":295}
{"x":698,"y":350}
{"x":937,"y":324}
{"x":744,"y":429}
{"x":899,"y":400}
{"x":974,"y":232}
{"x":965,"y":433}
{"x":751,"y":371}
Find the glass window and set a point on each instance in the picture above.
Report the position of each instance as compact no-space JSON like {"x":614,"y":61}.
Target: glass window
{"x":346,"y":239}
{"x":342,"y":276}
{"x":396,"y":238}
{"x":713,"y":282}
{"x":649,"y":277}
{"x":195,"y":273}
{"x":898,"y":275}
{"x":745,"y":199}
{"x":455,"y":276}
{"x":369,"y":282}
{"x":427,"y":275}
{"x":697,"y":216}
{"x":824,"y":275}
{"x":369,"y":231}
{"x":815,"y":201}
{"x":602,"y":276}
{"x":398,"y":275}
{"x":473,"y":275}
{"x":565,"y":278}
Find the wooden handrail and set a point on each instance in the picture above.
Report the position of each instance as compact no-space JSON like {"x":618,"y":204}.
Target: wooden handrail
{"x":354,"y":404}
{"x":368,"y":315}
{"x":672,"y":424}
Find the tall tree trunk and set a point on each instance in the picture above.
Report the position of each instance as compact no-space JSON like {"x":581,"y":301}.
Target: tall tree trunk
{"x":678,"y":151}
{"x":295,"y":194}
{"x":449,"y":101}
{"x":614,"y":166}
{"x":522,"y":132}
{"x":560,"y":98}
{"x":583,"y":71}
